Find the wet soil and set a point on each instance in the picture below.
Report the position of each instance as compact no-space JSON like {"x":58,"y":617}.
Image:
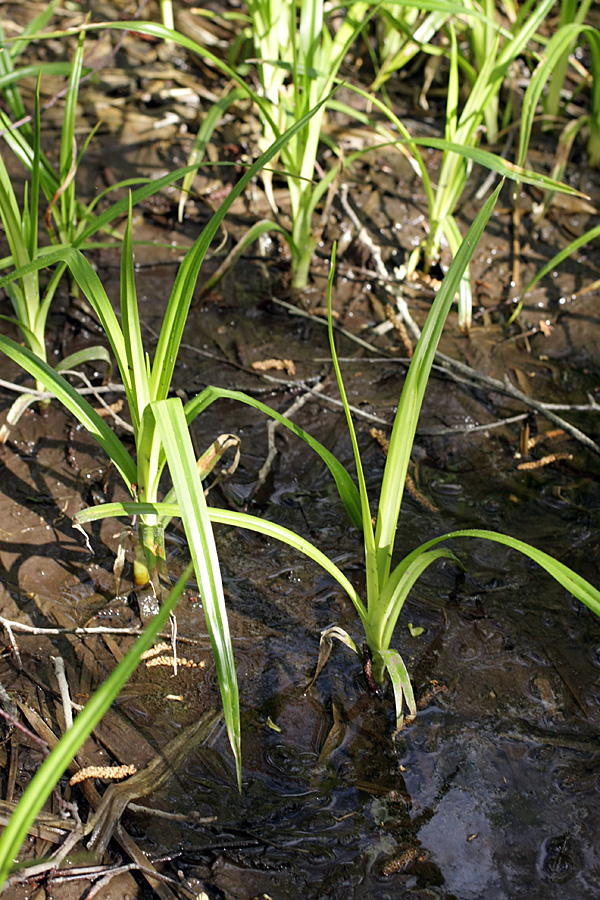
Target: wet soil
{"x":493,"y":790}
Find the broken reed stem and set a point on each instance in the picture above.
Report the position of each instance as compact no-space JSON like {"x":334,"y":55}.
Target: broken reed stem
{"x":63,"y":687}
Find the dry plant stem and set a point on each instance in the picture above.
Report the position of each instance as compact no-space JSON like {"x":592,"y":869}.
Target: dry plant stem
{"x":51,"y":864}
{"x":13,"y":644}
{"x":78,"y":831}
{"x":107,"y":878}
{"x":63,"y":686}
{"x":10,"y":717}
{"x":36,"y":629}
{"x":515,"y":287}
{"x":110,"y":388}
{"x":467,"y":429}
{"x":92,"y":390}
{"x":173,"y":623}
{"x":100,"y":629}
{"x":296,"y":311}
{"x":48,"y":827}
{"x":192,"y":817}
{"x":462,"y":373}
{"x":298,"y":385}
{"x":491,"y":177}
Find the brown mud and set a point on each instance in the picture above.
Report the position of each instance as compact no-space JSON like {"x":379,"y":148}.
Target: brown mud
{"x":493,"y":790}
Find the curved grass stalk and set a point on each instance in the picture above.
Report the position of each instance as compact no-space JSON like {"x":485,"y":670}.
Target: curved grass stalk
{"x":346,"y":487}
{"x":579,"y":587}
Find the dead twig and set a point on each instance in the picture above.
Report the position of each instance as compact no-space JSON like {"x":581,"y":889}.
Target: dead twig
{"x":392,"y":288}
{"x":461,"y":372}
{"x":63,"y":687}
{"x":272,"y":425}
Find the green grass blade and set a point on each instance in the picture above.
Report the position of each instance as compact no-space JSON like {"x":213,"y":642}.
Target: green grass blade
{"x":367,"y":525}
{"x":10,"y":53}
{"x":586,"y":238}
{"x":132,"y":334}
{"x":173,"y":430}
{"x":347,"y":489}
{"x":574,"y":583}
{"x":401,"y":685}
{"x":92,"y":287}
{"x":496,"y":164}
{"x":552,"y":54}
{"x":120,"y":207}
{"x":32,"y":342}
{"x":68,"y":160}
{"x":87,"y":355}
{"x":453,"y":89}
{"x":31,"y":234}
{"x":76,"y":404}
{"x":409,"y":408}
{"x":383,"y":615}
{"x":465,"y":296}
{"x":30,"y":31}
{"x":210,"y":122}
{"x":33,"y":71}
{"x":55,"y":764}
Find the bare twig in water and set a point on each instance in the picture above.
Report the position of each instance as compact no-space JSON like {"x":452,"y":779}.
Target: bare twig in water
{"x":116,"y":798}
{"x":392,"y":288}
{"x":14,"y":646}
{"x":99,"y":629}
{"x":272,"y":425}
{"x":464,"y":374}
{"x":63,"y":687}
{"x":108,"y":409}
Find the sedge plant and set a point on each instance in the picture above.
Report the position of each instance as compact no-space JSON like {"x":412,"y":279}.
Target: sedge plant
{"x":298,"y":62}
{"x":314,"y":47}
{"x":147,"y":384}
{"x":404,"y":31}
{"x":494,"y":51}
{"x":494,"y":55}
{"x":156,"y":440}
{"x":317,"y":58}
{"x":387,"y":585}
{"x":571,"y":12}
{"x":69,"y":222}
